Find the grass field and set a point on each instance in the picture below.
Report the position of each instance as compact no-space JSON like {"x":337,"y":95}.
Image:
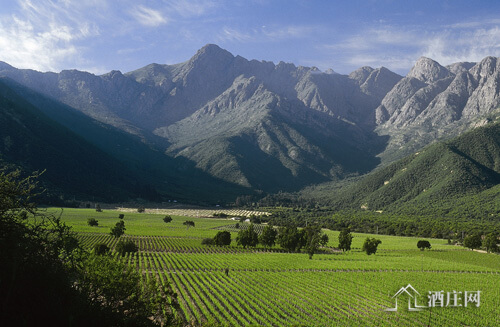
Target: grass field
{"x":273,"y":288}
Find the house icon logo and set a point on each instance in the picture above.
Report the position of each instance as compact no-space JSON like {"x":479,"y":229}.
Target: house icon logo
{"x":412,"y":294}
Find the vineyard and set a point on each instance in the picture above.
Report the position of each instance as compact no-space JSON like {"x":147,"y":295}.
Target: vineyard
{"x":274,"y":288}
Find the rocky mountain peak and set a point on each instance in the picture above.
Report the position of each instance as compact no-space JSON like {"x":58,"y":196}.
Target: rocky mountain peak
{"x":487,"y":67}
{"x":361,"y":74}
{"x":209,"y":53}
{"x":428,"y":70}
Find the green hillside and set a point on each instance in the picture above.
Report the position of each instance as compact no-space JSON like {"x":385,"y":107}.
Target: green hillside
{"x":444,"y":177}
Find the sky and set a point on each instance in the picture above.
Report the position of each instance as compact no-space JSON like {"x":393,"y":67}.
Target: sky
{"x":103,"y":35}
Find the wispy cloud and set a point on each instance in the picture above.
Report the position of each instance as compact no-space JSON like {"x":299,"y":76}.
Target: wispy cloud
{"x":267,"y":33}
{"x":229,"y":34}
{"x":148,"y":16}
{"x":398,"y":47}
{"x":190,"y":8}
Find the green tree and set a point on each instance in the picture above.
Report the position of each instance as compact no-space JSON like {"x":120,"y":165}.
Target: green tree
{"x":345,"y":239}
{"x":473,"y":241}
{"x":423,"y":244}
{"x":119,"y":229}
{"x":313,"y":238}
{"x":370,"y":245}
{"x":188,"y":223}
{"x":46,"y":276}
{"x":268,"y":236}
{"x":167,"y":219}
{"x":490,"y":242}
{"x":222,"y":238}
{"x":247,"y":237}
{"x":92,"y":222}
{"x":290,"y":238}
{"x":124,"y":247}
{"x":141,"y":209}
{"x":98,"y":208}
{"x":121,"y":216}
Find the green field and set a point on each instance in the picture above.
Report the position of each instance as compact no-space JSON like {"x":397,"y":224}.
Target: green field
{"x":274,"y":288}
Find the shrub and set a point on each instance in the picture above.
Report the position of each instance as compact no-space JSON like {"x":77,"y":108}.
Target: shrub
{"x":370,"y":245}
{"x":121,"y":216}
{"x":222,"y":238}
{"x":100,"y":249}
{"x":167,"y":219}
{"x":207,"y":241}
{"x":92,"y":222}
{"x":423,"y":244}
{"x":141,"y":209}
{"x":124,"y":247}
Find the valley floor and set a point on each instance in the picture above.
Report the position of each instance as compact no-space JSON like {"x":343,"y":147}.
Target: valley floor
{"x":274,"y":288}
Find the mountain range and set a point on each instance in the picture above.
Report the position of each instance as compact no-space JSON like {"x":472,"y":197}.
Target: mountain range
{"x":218,"y":125}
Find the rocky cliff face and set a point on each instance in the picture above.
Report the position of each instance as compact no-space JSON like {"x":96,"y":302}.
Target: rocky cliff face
{"x":230,"y":115}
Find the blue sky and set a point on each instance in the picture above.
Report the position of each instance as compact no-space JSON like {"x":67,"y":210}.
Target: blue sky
{"x":102,"y":35}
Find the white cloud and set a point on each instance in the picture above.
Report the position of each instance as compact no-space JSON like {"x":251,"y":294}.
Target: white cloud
{"x":43,"y":35}
{"x":148,"y":16}
{"x":398,"y":47}
{"x":23,"y":46}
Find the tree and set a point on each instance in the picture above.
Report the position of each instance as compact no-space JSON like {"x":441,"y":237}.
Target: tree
{"x":167,"y":219}
{"x":124,"y":247}
{"x":490,"y":242}
{"x":345,"y":239}
{"x":98,"y":208}
{"x":117,"y":287}
{"x":473,"y":241}
{"x":268,"y":236}
{"x":141,"y":209}
{"x":290,"y":238}
{"x":188,"y":223}
{"x":121,"y":216}
{"x":247,"y":237}
{"x":313,"y":238}
{"x":423,"y":244}
{"x":370,"y":245}
{"x":119,"y":229}
{"x":46,"y":276}
{"x":222,"y":238}
{"x":92,"y":222}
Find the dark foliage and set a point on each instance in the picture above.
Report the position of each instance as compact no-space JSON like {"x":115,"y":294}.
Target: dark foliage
{"x":423,"y":244}
{"x":100,"y":249}
{"x":370,"y":245}
{"x":119,"y":229}
{"x":124,"y":247}
{"x":92,"y":222}
{"x":222,"y":238}
{"x":247,"y":237}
